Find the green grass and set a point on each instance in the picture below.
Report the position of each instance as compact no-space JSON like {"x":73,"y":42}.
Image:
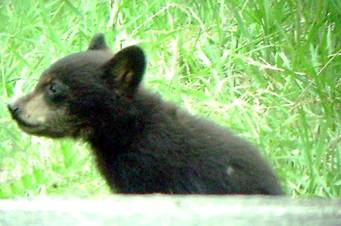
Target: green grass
{"x":270,"y":70}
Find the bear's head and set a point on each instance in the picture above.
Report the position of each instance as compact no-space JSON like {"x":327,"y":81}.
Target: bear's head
{"x":81,"y":90}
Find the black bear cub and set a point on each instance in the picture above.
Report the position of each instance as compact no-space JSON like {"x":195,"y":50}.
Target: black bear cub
{"x":141,"y":144}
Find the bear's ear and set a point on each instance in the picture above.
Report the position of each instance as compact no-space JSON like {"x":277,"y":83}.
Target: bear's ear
{"x":126,"y":68}
{"x":98,"y":42}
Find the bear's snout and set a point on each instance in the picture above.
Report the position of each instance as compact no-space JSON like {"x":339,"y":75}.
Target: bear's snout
{"x":13,"y":108}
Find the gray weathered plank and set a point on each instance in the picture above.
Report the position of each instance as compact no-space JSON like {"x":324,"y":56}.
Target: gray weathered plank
{"x":172,"y":210}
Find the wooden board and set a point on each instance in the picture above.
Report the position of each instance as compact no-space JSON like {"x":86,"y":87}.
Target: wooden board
{"x":172,"y":210}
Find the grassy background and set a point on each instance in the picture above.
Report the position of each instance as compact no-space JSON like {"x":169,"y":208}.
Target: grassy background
{"x":270,"y":70}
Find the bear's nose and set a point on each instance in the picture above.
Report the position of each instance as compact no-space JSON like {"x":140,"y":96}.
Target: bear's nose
{"x":13,"y":108}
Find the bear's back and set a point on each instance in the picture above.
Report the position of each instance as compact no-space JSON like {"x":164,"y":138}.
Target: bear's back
{"x":176,"y":152}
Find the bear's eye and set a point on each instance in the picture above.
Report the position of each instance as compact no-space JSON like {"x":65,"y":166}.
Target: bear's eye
{"x":52,"y":89}
{"x":55,"y":91}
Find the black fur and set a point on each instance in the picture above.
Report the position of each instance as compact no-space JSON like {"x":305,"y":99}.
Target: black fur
{"x":98,"y":42}
{"x":145,"y":145}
